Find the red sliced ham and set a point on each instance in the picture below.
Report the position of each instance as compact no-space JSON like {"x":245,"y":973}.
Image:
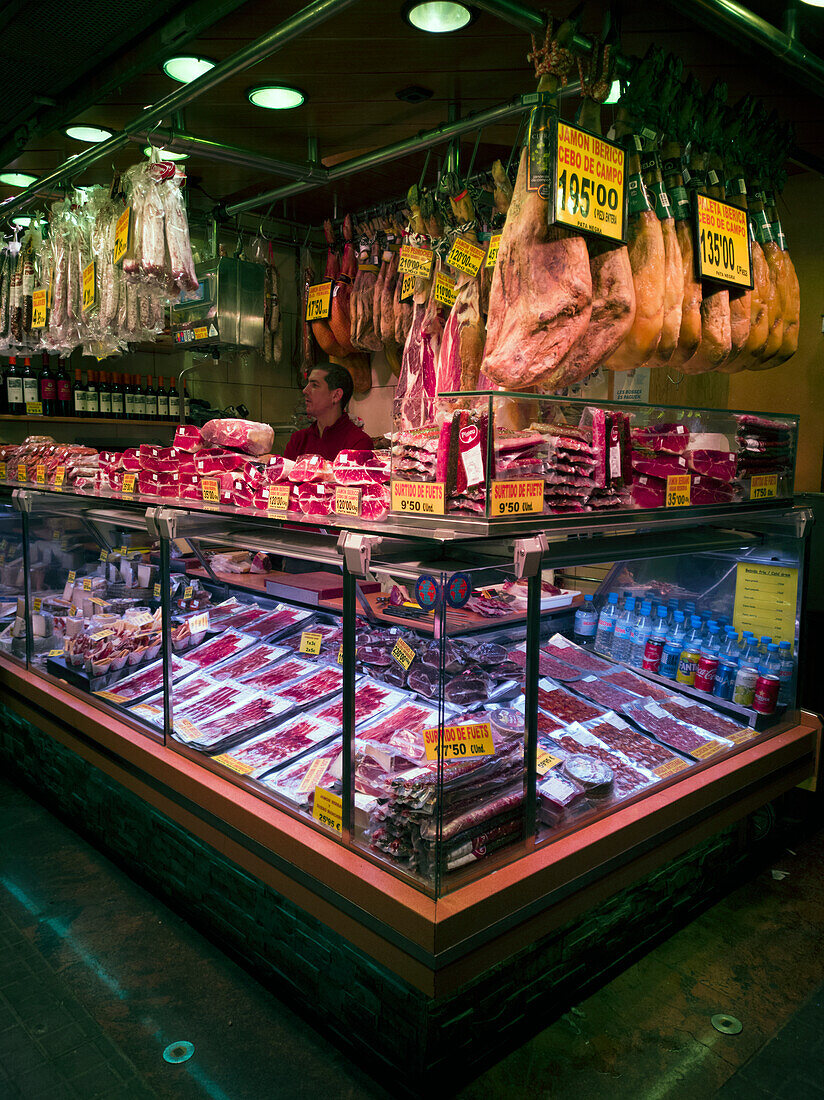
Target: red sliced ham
{"x":188,"y":438}
{"x":239,"y":435}
{"x":316,"y":500}
{"x":361,"y":468}
{"x":311,"y":468}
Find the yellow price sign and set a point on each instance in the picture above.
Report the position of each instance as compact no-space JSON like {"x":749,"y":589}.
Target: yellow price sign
{"x":55,"y":653}
{"x":229,"y":761}
{"x":672,"y":767}
{"x":310,"y":643}
{"x":516,"y":498}
{"x":678,"y":490}
{"x":492,"y":249}
{"x":87,"y":584}
{"x":722,"y":243}
{"x":740,"y":737}
{"x":763,"y":486}
{"x":709,"y":748}
{"x":156,"y":591}
{"x":34,"y":408}
{"x":129,"y":483}
{"x":38,"y":603}
{"x":59,"y":477}
{"x":39,"y":308}
{"x":347,"y":501}
{"x":199,"y":623}
{"x":407,"y":287}
{"x":314,"y":772}
{"x":444,"y":290}
{"x":89,"y":287}
{"x":104,"y":555}
{"x":40,"y":475}
{"x":3,"y":471}
{"x":111,"y":696}
{"x":279,"y":498}
{"x":210,"y":490}
{"x":403,"y":654}
{"x":187,"y":592}
{"x":201,"y":332}
{"x":546,"y":761}
{"x":460,"y":742}
{"x":590,"y":175}
{"x":101,"y":634}
{"x":187,"y":729}
{"x":21,"y":471}
{"x":319,"y":301}
{"x":327,"y":809}
{"x":419,"y":498}
{"x":72,"y":576}
{"x":340,"y":654}
{"x":766,"y":599}
{"x":416,"y":261}
{"x":122,"y":235}
{"x":465,"y":256}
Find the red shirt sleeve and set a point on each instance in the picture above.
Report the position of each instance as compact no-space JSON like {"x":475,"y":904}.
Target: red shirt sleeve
{"x":294,"y":448}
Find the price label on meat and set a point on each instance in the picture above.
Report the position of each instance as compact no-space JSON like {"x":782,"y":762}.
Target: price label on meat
{"x":199,"y":623}
{"x":419,"y":498}
{"x":415,"y":261}
{"x":112,"y":696}
{"x":187,"y":729}
{"x":314,"y":772}
{"x":210,"y":489}
{"x":59,"y":477}
{"x":460,"y":742}
{"x":40,"y":475}
{"x":492,"y":250}
{"x":229,"y":762}
{"x":546,"y":761}
{"x":722,"y":243}
{"x":740,"y":737}
{"x":310,"y":643}
{"x":55,"y":653}
{"x":589,"y":174}
{"x":187,"y":592}
{"x":87,"y":584}
{"x":101,"y":634}
{"x":516,"y":498}
{"x":128,"y":483}
{"x":122,"y":233}
{"x":156,"y":592}
{"x":38,"y":603}
{"x":21,"y":471}
{"x":279,"y":498}
{"x":403,"y":654}
{"x":763,"y":486}
{"x":407,"y":287}
{"x":89,"y":288}
{"x":444,"y":290}
{"x":670,"y":768}
{"x":39,"y":308}
{"x":340,"y":654}
{"x":3,"y":470}
{"x":465,"y":256}
{"x":318,"y":301}
{"x":347,"y":501}
{"x":678,"y":490}
{"x":709,"y":748}
{"x":327,"y":809}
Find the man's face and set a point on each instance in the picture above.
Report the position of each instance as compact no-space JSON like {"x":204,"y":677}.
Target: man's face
{"x":319,"y":398}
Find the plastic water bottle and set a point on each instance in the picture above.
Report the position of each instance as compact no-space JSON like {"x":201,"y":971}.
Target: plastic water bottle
{"x":746,"y":638}
{"x":654,"y":649}
{"x":765,"y":641}
{"x":621,"y":640}
{"x":708,"y":626}
{"x":672,"y":607}
{"x":641,"y":630}
{"x":586,"y":621}
{"x":770,"y":661}
{"x":786,"y":672}
{"x":752,"y":653}
{"x":695,"y":633}
{"x":689,"y":607}
{"x":679,"y":627}
{"x":606,"y":624}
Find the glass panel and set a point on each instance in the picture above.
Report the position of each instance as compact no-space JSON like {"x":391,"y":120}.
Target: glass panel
{"x":12,"y":583}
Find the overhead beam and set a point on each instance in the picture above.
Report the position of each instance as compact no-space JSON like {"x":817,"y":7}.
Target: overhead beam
{"x":182,"y":142}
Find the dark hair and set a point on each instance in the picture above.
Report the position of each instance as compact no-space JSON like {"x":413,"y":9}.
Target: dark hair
{"x":338,"y":378}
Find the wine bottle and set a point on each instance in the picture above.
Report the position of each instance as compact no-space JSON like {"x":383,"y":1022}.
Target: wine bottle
{"x":63,"y":388}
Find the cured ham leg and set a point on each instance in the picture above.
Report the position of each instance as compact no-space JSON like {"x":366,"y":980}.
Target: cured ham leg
{"x":689,"y":334}
{"x":747,"y":307}
{"x":673,"y":264}
{"x":789,"y":294}
{"x":321,"y":330}
{"x":339,"y":322}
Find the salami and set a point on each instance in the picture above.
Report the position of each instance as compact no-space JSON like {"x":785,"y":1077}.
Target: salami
{"x":702,"y":717}
{"x":564,"y":705}
{"x":619,"y":735}
{"x":571,"y":654}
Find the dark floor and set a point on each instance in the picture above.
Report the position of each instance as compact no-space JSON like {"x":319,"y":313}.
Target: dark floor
{"x":97,"y":978}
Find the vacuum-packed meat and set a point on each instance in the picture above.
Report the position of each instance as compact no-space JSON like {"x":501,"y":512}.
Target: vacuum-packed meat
{"x":225,"y":645}
{"x":249,"y":661}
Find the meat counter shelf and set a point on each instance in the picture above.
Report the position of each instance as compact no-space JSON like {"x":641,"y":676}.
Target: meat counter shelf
{"x":84,"y":420}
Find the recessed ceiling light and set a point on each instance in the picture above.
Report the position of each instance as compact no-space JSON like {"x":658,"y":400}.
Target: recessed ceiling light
{"x":92,"y":134}
{"x":23,"y":221}
{"x":814,"y":3}
{"x":438,"y":18}
{"x":276,"y":97}
{"x":615,"y":90}
{"x":187,"y":68}
{"x":165,"y":154}
{"x":17,"y":179}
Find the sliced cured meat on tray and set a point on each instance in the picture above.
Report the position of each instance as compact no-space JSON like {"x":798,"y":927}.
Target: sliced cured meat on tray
{"x":271,"y":680}
{"x":571,"y":654}
{"x":678,"y":735}
{"x":249,"y":661}
{"x":221,"y":648}
{"x":148,"y":680}
{"x":284,"y":744}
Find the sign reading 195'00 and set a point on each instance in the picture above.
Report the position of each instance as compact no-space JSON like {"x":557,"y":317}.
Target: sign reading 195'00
{"x":589,"y":183}
{"x":722,"y":244}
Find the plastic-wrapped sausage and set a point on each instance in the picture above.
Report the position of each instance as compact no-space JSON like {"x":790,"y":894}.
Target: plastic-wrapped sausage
{"x":177,"y":233}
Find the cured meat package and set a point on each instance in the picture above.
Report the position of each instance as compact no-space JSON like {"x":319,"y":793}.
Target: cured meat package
{"x":315,"y":687}
{"x":683,"y":736}
{"x":636,"y":684}
{"x":628,"y":778}
{"x":571,"y":654}
{"x":271,"y":680}
{"x":688,"y":710}
{"x":604,"y":691}
{"x":222,"y":727}
{"x":548,"y":665}
{"x":561,"y":705}
{"x":639,"y":749}
{"x":249,"y":661}
{"x":148,"y":680}
{"x":296,"y":782}
{"x":219,"y":649}
{"x":184,"y":693}
{"x":371,"y":699}
{"x":331,"y":639}
{"x":274,"y":622}
{"x":362,"y":468}
{"x":287,"y":742}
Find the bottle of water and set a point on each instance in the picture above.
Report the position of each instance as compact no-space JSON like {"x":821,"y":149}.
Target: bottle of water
{"x":708,"y":626}
{"x":641,"y":630}
{"x":606,"y":624}
{"x":586,"y":621}
{"x":689,"y":607}
{"x":679,"y":627}
{"x":672,"y":607}
{"x":786,"y":672}
{"x":621,"y":640}
{"x":730,"y":646}
{"x":695,"y":633}
{"x":765,"y":641}
{"x":770,"y":661}
{"x":752,"y":652}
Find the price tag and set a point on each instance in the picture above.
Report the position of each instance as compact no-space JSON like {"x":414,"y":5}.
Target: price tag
{"x":678,"y":490}
{"x":112,"y":696}
{"x":327,"y":809}
{"x":34,"y":408}
{"x":403,"y":654}
{"x":741,"y":736}
{"x":21,"y":471}
{"x":128,"y":483}
{"x":763,"y":486}
{"x":465,"y":256}
{"x":72,"y":576}
{"x":59,"y":476}
{"x":98,"y":602}
{"x":407,"y":287}
{"x":3,"y":470}
{"x":39,"y":308}
{"x":590,"y":174}
{"x":546,"y":761}
{"x":672,"y":767}
{"x":492,"y":249}
{"x":143,"y":619}
{"x":318,"y":301}
{"x":104,"y":555}
{"x":187,"y":592}
{"x":444,"y":290}
{"x":74,"y":610}
{"x":516,"y":498}
{"x":87,"y":584}
{"x":416,"y":261}
{"x":156,"y":591}
{"x":229,"y":762}
{"x":89,"y":287}
{"x":460,"y":742}
{"x":420,"y":498}
{"x":210,"y":488}
{"x":340,"y":655}
{"x":122,"y":235}
{"x":40,"y":475}
{"x":101,"y":634}
{"x":314,"y":772}
{"x":199,"y":623}
{"x":38,"y":603}
{"x":279,"y":498}
{"x":710,"y":748}
{"x":347,"y":501}
{"x":722,"y":243}
{"x":187,"y":730}
{"x":55,"y":653}
{"x":310,"y":643}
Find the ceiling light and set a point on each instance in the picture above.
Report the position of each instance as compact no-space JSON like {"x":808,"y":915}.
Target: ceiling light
{"x":615,"y":89}
{"x":814,"y":3}
{"x":92,"y":134}
{"x":23,"y":221}
{"x":438,"y":18}
{"x":17,"y":179}
{"x":276,"y":97}
{"x":186,"y":69}
{"x":165,"y":154}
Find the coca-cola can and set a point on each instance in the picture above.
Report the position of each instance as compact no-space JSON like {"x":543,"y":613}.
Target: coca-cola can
{"x":765,"y":699}
{"x":652,"y":654}
{"x":706,"y":672}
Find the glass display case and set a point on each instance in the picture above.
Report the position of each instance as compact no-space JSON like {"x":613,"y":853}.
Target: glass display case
{"x":441,"y":704}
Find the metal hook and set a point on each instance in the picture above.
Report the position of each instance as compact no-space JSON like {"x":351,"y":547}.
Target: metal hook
{"x":425,"y":166}
{"x":517,"y":141}
{"x":677,"y":383}
{"x":474,"y":153}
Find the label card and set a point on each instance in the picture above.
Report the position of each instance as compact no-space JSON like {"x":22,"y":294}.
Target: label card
{"x":210,"y":489}
{"x":403,"y":654}
{"x":310,"y":643}
{"x":87,"y":584}
{"x":460,"y":742}
{"x":678,"y":490}
{"x":407,"y":287}
{"x":59,"y":476}
{"x":672,"y":767}
{"x":229,"y":762}
{"x":122,"y":235}
{"x":516,"y":498}
{"x":722,"y":243}
{"x":546,"y":761}
{"x":156,"y":591}
{"x":34,"y":408}
{"x":444,"y":290}
{"x":327,"y":809}
{"x":38,"y":603}
{"x":21,"y":471}
{"x":89,"y":287}
{"x":590,"y":175}
{"x":314,"y":772}
{"x":39,"y":303}
{"x":347,"y":501}
{"x":279,"y":498}
{"x":465,"y":256}
{"x":112,"y":696}
{"x":763,"y":486}
{"x":187,"y":729}
{"x":709,"y":748}
{"x":3,"y":474}
{"x":492,"y":249}
{"x":319,"y":301}
{"x":340,"y":655}
{"x":199,"y":623}
{"x":129,"y":483}
{"x":415,"y":261}
{"x":766,"y":597}
{"x":421,"y":498}
{"x":187,"y":592}
{"x":40,"y":475}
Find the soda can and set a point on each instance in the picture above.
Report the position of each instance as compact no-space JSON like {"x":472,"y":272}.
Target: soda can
{"x":687,"y":664}
{"x":743,"y":691}
{"x":724,"y":679}
{"x":669,"y":660}
{"x":706,"y":672}
{"x":652,"y":654}
{"x":765,"y":698}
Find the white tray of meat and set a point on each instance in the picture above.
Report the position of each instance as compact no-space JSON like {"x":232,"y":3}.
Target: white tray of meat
{"x":706,"y":719}
{"x":628,"y":777}
{"x":184,"y":694}
{"x":271,"y":680}
{"x":396,"y":739}
{"x":314,"y":688}
{"x":571,"y":654}
{"x":371,"y":699}
{"x":251,"y":660}
{"x":276,"y":621}
{"x":147,"y":681}
{"x":562,"y":704}
{"x":296,"y":782}
{"x":285,"y":744}
{"x":221,"y":613}
{"x":639,"y":748}
{"x":679,"y":735}
{"x":219,"y":649}
{"x":244,"y":615}
{"x":220,"y":729}
{"x":516,"y":591}
{"x":331,"y":635}
{"x":201,"y":707}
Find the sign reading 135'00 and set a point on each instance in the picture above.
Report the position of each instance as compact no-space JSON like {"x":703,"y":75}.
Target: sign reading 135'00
{"x":590,"y":173}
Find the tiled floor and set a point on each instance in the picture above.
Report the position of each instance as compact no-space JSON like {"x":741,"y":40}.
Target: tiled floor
{"x":97,"y":977}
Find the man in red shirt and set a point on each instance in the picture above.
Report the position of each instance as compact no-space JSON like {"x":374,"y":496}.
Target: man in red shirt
{"x":327,"y":394}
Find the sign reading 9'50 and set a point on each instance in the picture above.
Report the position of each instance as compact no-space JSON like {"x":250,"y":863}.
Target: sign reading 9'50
{"x":590,"y":191}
